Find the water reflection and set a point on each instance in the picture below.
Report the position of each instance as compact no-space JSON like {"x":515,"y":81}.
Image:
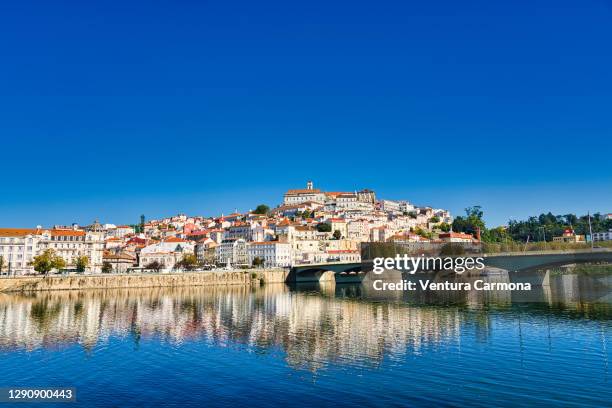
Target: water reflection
{"x":313,"y":325}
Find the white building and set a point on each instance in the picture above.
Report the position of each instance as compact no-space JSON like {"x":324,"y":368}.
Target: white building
{"x":18,"y":247}
{"x":302,"y":195}
{"x":358,"y":230}
{"x":167,"y":252}
{"x":120,"y":231}
{"x":343,"y":255}
{"x":274,"y":254}
{"x":232,"y":251}
{"x":390,"y":206}
{"x":602,"y":236}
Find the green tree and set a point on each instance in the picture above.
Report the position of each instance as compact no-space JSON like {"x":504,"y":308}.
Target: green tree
{"x":258,"y":262}
{"x":444,"y":227}
{"x":471,"y":222}
{"x":323,"y":227}
{"x":423,"y":233}
{"x":81,"y":263}
{"x":155,"y":265}
{"x":262,"y":209}
{"x":189,"y":262}
{"x":47,"y":261}
{"x":435,"y":219}
{"x":547,"y":225}
{"x":337,"y":234}
{"x":107,"y":267}
{"x":498,"y":234}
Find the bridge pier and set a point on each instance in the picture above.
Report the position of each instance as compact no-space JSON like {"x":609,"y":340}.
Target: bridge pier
{"x":535,"y":278}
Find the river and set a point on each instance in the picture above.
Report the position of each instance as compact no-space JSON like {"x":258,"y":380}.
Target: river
{"x":313,"y":345}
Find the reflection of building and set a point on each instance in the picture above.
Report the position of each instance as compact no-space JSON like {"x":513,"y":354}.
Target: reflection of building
{"x":312,"y":331}
{"x":569,"y":236}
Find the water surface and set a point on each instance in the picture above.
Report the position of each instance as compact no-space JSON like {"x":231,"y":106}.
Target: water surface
{"x":333,"y":345}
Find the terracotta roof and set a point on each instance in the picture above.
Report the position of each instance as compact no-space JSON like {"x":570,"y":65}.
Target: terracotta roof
{"x":174,"y":239}
{"x":109,"y":255}
{"x":67,"y":233}
{"x":303,"y":191}
{"x":456,"y":235}
{"x":18,"y":232}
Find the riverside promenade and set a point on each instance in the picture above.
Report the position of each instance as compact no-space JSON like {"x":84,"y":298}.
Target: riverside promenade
{"x":112,"y":281}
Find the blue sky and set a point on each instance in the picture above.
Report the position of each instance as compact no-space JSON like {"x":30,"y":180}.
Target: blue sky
{"x":111,"y":110}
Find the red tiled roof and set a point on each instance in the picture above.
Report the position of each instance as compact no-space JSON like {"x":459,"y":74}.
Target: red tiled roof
{"x":174,"y":239}
{"x":303,"y":191}
{"x":18,"y":232}
{"x":67,"y":233}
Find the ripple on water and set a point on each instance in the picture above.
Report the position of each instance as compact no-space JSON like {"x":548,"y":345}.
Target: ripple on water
{"x":228,"y":346}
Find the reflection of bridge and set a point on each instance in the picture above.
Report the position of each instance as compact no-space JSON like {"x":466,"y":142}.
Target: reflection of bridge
{"x":512,"y":262}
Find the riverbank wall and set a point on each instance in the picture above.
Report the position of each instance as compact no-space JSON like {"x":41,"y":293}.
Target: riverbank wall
{"x":80,"y":282}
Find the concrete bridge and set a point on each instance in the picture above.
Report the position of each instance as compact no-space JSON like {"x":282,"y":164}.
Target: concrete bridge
{"x":519,"y":263}
{"x":530,"y":261}
{"x":339,"y":271}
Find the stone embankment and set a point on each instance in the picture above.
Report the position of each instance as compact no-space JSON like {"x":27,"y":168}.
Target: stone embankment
{"x":79,"y":282}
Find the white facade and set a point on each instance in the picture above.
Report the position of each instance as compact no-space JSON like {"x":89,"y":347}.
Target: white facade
{"x":232,"y":251}
{"x":389,"y":206}
{"x":70,"y":244}
{"x":18,"y":247}
{"x":167,"y":253}
{"x":120,"y":231}
{"x":302,"y":195}
{"x":602,"y":236}
{"x":275,"y":254}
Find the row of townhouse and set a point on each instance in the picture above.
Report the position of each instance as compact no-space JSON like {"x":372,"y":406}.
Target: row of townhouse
{"x":238,"y":252}
{"x":289,"y":234}
{"x":19,"y":246}
{"x":276,"y":254}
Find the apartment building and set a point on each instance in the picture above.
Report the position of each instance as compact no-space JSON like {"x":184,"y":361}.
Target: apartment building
{"x":274,"y":254}
{"x":19,"y":246}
